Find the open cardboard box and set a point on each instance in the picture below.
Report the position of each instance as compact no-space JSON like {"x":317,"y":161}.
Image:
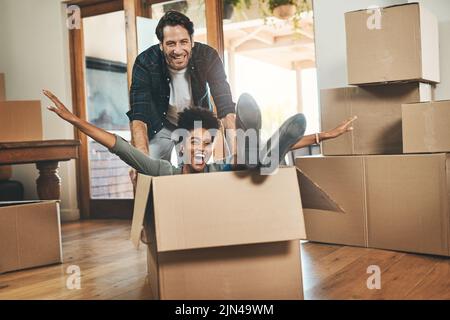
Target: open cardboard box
{"x":395,"y":43}
{"x":30,"y":234}
{"x":395,"y":202}
{"x":225,"y":235}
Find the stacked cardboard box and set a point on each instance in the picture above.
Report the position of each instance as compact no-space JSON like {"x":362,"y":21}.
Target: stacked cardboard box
{"x":30,"y":234}
{"x":227,"y":235}
{"x":392,"y":200}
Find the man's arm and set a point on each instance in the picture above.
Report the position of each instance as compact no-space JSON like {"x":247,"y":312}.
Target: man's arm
{"x":221,"y":93}
{"x":141,"y":107}
{"x":308,"y":140}
{"x":139,"y":135}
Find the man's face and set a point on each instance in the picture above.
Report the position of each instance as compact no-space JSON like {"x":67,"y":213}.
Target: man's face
{"x":176,"y":46}
{"x":198,"y":148}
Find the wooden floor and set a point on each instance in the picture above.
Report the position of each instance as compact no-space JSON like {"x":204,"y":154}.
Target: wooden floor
{"x":112,"y":269}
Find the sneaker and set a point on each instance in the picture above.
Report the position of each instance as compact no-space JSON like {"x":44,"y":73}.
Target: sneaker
{"x":276,"y":148}
{"x":248,"y":117}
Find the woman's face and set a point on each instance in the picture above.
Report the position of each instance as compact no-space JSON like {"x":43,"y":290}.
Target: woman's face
{"x":198,"y":149}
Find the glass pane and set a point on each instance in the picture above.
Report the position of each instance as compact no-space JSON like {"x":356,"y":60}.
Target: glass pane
{"x":107,"y":101}
{"x":270,"y":54}
{"x":194,"y":9}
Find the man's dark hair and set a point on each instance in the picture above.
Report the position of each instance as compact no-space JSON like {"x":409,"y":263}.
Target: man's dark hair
{"x":173,"y":18}
{"x":187,"y":118}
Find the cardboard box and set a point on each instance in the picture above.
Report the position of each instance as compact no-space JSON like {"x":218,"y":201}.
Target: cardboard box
{"x":20,"y":121}
{"x":396,"y":43}
{"x":2,"y":87}
{"x":426,"y":127}
{"x":396,"y":202}
{"x":227,"y":235}
{"x":378,"y":129}
{"x":30,"y":234}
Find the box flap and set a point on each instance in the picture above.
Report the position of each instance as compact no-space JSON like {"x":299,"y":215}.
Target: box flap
{"x":25,"y":202}
{"x":314,"y":197}
{"x":226,"y":208}
{"x":140,"y":204}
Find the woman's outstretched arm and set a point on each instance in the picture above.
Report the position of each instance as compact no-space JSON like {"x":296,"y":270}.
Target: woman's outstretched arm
{"x":308,"y":140}
{"x":101,"y":136}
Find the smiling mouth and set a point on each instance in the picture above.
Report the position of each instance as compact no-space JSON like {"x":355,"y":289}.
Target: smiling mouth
{"x":178,"y":58}
{"x":199,"y":158}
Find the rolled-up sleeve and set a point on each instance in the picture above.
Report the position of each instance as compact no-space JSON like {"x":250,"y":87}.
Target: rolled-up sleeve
{"x":218,"y":84}
{"x":140,"y":93}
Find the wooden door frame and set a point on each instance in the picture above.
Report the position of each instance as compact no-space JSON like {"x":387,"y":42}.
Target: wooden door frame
{"x":116,"y":208}
{"x":98,"y":208}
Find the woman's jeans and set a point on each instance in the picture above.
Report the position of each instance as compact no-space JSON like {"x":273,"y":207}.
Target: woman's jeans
{"x":248,"y":123}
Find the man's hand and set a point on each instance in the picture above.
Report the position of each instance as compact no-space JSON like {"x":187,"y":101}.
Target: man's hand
{"x":344,"y":127}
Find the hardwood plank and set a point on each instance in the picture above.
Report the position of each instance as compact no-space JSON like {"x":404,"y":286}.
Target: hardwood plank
{"x":435,"y":285}
{"x":316,"y":270}
{"x":111,"y":268}
{"x":349,"y":281}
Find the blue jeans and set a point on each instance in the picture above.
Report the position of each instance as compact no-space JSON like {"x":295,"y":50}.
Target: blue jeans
{"x":248,"y":117}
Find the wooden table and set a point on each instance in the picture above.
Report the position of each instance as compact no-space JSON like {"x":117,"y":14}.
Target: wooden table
{"x":46,"y":155}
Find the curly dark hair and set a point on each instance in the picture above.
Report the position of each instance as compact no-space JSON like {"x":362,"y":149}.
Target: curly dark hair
{"x":173,"y":18}
{"x":187,"y":117}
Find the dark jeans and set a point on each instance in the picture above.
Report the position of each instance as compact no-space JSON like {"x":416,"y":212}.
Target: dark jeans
{"x":267,"y":158}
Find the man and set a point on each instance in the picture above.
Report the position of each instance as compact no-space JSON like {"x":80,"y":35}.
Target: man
{"x":173,"y":76}
{"x":196,"y":145}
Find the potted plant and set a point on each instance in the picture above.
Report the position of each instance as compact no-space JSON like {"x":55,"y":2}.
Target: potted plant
{"x":283,"y":9}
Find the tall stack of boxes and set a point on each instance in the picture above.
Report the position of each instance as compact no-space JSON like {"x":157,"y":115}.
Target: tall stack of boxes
{"x":391,"y":174}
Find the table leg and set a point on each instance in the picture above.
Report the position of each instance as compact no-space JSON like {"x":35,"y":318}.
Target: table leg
{"x":49,"y":182}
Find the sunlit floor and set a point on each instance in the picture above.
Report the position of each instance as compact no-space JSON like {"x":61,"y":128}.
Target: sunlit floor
{"x":112,"y":269}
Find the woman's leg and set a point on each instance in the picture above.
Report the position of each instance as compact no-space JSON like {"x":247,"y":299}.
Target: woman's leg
{"x":248,"y":125}
{"x":276,"y":148}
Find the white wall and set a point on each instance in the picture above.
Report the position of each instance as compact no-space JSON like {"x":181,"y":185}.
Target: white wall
{"x":441,"y":9}
{"x":329,"y":33}
{"x":34,"y":55}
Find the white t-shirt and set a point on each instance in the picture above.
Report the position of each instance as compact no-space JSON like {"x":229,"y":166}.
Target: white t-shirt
{"x":180,"y":94}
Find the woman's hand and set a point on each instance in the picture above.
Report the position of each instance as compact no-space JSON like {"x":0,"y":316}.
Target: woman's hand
{"x":59,"y":108}
{"x":344,"y":127}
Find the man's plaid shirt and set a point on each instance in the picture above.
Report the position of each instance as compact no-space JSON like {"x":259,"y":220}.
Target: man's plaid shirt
{"x":150,"y":91}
